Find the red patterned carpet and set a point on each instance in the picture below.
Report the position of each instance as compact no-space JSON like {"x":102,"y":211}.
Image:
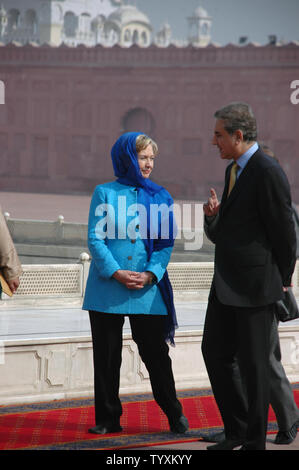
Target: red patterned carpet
{"x":63,"y":424}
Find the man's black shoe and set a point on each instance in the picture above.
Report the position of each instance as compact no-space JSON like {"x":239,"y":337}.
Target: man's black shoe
{"x":286,"y":437}
{"x":216,"y":437}
{"x":227,"y":444}
{"x":105,"y":428}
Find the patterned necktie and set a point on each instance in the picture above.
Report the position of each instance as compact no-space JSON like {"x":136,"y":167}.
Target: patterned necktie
{"x":233,"y":176}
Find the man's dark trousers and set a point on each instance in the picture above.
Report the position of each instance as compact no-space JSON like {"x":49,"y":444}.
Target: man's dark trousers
{"x":230,"y":330}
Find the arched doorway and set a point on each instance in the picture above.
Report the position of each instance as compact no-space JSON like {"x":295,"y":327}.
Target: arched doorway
{"x":139,"y":120}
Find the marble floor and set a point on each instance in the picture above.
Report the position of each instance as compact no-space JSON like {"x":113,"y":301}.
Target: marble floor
{"x":59,"y":322}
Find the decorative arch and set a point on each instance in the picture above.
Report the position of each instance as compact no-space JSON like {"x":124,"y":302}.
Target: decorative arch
{"x":30,"y":20}
{"x":135,"y":39}
{"x":85,"y":22}
{"x":139,"y":120}
{"x":127,"y":35}
{"x":13,"y":19}
{"x":144,"y":38}
{"x":70,"y":24}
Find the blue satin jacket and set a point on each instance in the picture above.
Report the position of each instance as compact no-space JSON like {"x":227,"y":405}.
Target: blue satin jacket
{"x":114,"y":243}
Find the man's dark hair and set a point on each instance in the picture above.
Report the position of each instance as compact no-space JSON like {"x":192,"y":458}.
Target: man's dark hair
{"x":238,"y":116}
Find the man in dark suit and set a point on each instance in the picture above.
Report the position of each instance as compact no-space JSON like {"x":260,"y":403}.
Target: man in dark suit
{"x":281,"y":394}
{"x":255,"y":255}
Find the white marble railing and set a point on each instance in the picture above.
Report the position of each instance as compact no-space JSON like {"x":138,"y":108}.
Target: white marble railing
{"x":37,"y":368}
{"x":67,"y":281}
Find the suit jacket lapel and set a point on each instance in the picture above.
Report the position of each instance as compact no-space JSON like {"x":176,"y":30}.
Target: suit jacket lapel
{"x":239,"y":185}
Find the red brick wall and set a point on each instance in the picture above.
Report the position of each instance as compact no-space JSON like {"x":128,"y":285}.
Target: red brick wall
{"x":65,"y":108}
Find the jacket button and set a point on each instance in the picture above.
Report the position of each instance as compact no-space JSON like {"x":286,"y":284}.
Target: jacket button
{"x":129,"y":257}
{"x":133,"y":241}
{"x":137,"y":227}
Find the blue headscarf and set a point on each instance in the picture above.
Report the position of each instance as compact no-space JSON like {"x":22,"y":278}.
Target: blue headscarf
{"x":126,"y":169}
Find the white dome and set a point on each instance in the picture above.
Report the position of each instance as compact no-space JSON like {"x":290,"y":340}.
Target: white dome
{"x":201,"y":13}
{"x":128,"y":14}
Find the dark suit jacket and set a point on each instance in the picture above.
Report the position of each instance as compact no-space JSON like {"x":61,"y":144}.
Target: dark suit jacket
{"x":254,"y":234}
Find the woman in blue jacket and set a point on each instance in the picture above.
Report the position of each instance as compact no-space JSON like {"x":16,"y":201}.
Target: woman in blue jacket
{"x":130,"y":238}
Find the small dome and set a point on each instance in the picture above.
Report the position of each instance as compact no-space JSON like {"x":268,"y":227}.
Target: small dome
{"x":201,"y":13}
{"x":128,"y":14}
{"x":166,"y":25}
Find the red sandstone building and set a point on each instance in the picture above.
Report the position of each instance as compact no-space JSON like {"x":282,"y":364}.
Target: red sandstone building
{"x":64,"y":108}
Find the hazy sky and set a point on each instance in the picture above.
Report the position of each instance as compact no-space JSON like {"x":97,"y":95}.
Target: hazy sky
{"x":256,"y":19}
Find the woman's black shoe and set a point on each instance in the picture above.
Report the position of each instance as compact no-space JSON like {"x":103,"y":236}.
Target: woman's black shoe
{"x":179,"y":426}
